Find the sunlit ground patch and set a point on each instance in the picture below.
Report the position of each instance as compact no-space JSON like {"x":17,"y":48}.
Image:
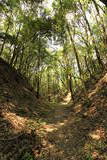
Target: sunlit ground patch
{"x":17,"y":122}
{"x":98,"y":134}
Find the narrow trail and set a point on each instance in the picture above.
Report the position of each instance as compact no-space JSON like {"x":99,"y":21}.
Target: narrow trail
{"x":73,"y":136}
{"x":57,"y":133}
{"x":78,"y":131}
{"x":65,"y":134}
{"x":62,"y":132}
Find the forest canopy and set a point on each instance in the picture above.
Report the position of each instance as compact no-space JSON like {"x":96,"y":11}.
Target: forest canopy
{"x":58,"y":45}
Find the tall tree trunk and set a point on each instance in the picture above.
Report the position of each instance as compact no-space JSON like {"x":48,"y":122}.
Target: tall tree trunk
{"x":77,"y":59}
{"x":88,"y":48}
{"x":38,"y":67}
{"x":75,"y":51}
{"x":71,"y":86}
{"x":15,"y":51}
{"x":93,"y":40}
{"x":86,"y":64}
{"x":102,"y":24}
{"x":21,"y":59}
{"x":4,"y":41}
{"x":48,"y":77}
{"x":38,"y":88}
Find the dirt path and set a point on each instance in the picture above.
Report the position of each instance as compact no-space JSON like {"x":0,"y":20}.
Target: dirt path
{"x":60,"y":131}
{"x":76,"y":133}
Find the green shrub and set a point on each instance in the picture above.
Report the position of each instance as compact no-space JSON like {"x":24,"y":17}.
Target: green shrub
{"x":88,"y":157}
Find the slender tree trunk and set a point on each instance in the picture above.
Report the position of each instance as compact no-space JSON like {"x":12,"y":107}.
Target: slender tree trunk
{"x":71,"y":86}
{"x":75,"y":51}
{"x":86,"y":64}
{"x":38,"y":88}
{"x":4,"y":41}
{"x":38,"y":67}
{"x":48,"y":77}
{"x":93,"y":40}
{"x":98,"y":57}
{"x":77,"y":59}
{"x":15,"y":51}
{"x":102,"y":24}
{"x":14,"y":55}
{"x":21,"y":59}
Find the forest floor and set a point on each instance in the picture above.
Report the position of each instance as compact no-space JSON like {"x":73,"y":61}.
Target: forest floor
{"x":78,"y":131}
{"x":37,"y":130}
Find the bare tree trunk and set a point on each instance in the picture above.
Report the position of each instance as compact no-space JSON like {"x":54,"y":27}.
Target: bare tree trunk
{"x":4,"y":41}
{"x":15,"y":51}
{"x":38,"y":67}
{"x":71,"y":86}
{"x":38,"y":88}
{"x":103,"y":25}
{"x":48,"y":77}
{"x":75,"y":51}
{"x":93,"y":40}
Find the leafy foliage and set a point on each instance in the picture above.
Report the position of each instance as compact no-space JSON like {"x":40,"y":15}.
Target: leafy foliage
{"x":54,"y":48}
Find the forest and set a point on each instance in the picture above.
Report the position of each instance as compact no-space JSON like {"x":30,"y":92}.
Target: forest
{"x":58,"y":46}
{"x":53,"y":65}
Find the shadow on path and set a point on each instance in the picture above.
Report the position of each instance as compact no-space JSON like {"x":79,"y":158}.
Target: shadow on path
{"x":79,"y":132}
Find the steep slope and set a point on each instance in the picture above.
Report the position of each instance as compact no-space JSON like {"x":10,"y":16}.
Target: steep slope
{"x":18,"y":109}
{"x":15,"y":91}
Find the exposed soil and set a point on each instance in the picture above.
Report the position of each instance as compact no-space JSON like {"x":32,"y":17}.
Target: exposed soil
{"x":32,"y":129}
{"x":79,"y":131}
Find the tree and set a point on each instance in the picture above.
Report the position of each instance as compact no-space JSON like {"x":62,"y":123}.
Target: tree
{"x":57,"y":49}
